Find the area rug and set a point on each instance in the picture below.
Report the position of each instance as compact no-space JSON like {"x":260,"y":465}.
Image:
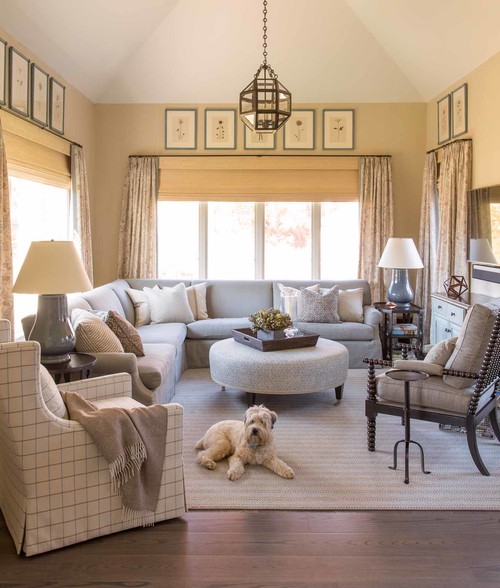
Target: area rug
{"x":325,"y":443}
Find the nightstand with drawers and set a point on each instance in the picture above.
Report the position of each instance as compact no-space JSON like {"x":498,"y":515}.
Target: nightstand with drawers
{"x":447,"y":317}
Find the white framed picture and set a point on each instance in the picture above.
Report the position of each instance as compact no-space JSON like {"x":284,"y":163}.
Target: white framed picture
{"x":299,"y":130}
{"x":259,"y":140}
{"x":19,"y":82}
{"x":56,"y":113}
{"x":39,"y":95}
{"x":180,"y":128}
{"x":220,"y":128}
{"x":338,"y":129}
{"x":3,"y":71}
{"x":444,"y":119}
{"x":459,"y":110}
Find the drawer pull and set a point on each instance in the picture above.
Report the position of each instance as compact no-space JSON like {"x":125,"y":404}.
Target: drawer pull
{"x":452,"y":314}
{"x":440,"y":307}
{"x":447,"y":330}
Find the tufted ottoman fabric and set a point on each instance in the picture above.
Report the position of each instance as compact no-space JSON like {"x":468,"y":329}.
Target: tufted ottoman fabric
{"x":290,"y":371}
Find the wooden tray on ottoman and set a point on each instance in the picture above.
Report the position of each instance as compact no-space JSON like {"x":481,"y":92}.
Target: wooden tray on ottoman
{"x":304,"y":339}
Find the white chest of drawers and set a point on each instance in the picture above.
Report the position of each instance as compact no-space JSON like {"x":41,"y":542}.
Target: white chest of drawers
{"x":447,"y":317}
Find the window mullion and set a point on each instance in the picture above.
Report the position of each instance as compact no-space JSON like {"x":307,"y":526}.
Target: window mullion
{"x":203,"y":237}
{"x":259,"y":239}
{"x":316,"y":240}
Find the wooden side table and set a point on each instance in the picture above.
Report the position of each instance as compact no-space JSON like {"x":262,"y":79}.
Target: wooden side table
{"x":398,"y":315}
{"x":79,"y":367}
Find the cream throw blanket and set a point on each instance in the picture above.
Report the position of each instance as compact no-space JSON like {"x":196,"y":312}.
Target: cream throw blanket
{"x":133,"y":443}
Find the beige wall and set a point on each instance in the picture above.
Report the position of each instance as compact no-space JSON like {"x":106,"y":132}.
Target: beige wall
{"x":122,"y":130}
{"x":484,"y":121}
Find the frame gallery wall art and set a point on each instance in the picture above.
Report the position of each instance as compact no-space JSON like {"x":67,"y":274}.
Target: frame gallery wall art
{"x":338,"y":129}
{"x":220,"y":128}
{"x":39,"y":95}
{"x":19,"y":78}
{"x":443,"y":119}
{"x":57,"y":92}
{"x":180,"y":128}
{"x":459,"y":107}
{"x":3,"y":71}
{"x":299,"y":130}
{"x":259,"y":140}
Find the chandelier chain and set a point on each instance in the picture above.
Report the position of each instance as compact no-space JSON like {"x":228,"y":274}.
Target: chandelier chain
{"x":264,"y":44}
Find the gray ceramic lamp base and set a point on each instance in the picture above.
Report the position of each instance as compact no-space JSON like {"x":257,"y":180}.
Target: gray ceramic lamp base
{"x":53,"y":329}
{"x":400,"y":291}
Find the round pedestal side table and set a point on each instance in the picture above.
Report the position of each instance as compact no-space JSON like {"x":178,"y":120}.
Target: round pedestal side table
{"x":79,"y":367}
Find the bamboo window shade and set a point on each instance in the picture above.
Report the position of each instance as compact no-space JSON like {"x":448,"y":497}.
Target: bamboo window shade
{"x":34,"y":154}
{"x":259,"y":179}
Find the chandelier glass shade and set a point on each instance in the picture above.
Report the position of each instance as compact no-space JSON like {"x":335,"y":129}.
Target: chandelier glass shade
{"x":265,"y":104}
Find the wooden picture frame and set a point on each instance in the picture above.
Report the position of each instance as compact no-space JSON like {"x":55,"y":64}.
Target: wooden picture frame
{"x":180,"y":128}
{"x":56,"y":111}
{"x":19,"y":82}
{"x":39,"y":95}
{"x":459,"y":106}
{"x":299,"y":131}
{"x":3,"y":71}
{"x":259,"y":140}
{"x":443,"y":120}
{"x":220,"y":128}
{"x":338,"y":129}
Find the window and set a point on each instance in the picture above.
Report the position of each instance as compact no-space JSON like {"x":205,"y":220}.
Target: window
{"x":39,"y":212}
{"x":246,"y":240}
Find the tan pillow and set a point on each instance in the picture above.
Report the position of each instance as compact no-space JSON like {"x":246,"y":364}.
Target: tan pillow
{"x":320,"y":307}
{"x":141,"y":306}
{"x":93,"y":335}
{"x":169,"y":305}
{"x":51,"y":395}
{"x":417,"y":365}
{"x":197,"y":298}
{"x":290,"y":291}
{"x":126,"y":333}
{"x":351,"y":305}
{"x":441,"y":352}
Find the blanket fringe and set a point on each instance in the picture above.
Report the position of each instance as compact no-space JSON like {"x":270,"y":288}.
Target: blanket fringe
{"x":126,"y":465}
{"x":143,"y":518}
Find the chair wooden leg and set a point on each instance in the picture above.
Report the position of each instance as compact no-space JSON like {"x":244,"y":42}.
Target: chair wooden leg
{"x":371,"y":426}
{"x":494,"y":422}
{"x":474,"y":451}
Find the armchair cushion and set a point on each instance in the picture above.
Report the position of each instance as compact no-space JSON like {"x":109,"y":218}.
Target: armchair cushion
{"x":441,"y":352}
{"x":433,"y":369}
{"x":51,"y":395}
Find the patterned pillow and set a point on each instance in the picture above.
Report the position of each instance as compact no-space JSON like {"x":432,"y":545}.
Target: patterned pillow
{"x":320,"y":307}
{"x":351,"y":305}
{"x":93,"y":335}
{"x":169,"y":305}
{"x":126,"y":333}
{"x":197,"y":298}
{"x":51,"y":395}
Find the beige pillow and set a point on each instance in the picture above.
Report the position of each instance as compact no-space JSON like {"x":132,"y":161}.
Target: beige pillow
{"x":441,"y":352}
{"x":169,"y":305}
{"x":51,"y":395}
{"x":351,"y":305}
{"x":417,"y":365}
{"x":126,"y":333}
{"x":141,"y":306}
{"x":320,"y":307}
{"x":290,"y":291}
{"x":93,"y":335}
{"x":197,"y":298}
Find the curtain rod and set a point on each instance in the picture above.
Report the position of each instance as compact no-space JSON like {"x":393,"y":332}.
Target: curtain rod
{"x":20,"y":116}
{"x":258,"y":155}
{"x":446,"y":145}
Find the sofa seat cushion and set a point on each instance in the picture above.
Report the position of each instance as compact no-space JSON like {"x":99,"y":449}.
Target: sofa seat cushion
{"x":217,"y":328}
{"x":173,"y":333}
{"x":432,"y":393}
{"x":154,"y":366}
{"x":340,"y":331}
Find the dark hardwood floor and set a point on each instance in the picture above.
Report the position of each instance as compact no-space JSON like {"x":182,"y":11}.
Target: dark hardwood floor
{"x":375,"y":549}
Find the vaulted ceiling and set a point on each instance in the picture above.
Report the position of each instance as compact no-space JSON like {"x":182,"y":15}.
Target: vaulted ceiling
{"x":176,"y":51}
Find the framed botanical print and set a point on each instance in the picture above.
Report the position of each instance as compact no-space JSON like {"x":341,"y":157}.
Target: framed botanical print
{"x":39,"y":95}
{"x":443,"y":119}
{"x":259,"y":140}
{"x":459,"y":111}
{"x":180,"y":128}
{"x":299,"y":130}
{"x":19,"y":76}
{"x":338,"y":129}
{"x":56,"y":113}
{"x":220,"y":128}
{"x":3,"y":71}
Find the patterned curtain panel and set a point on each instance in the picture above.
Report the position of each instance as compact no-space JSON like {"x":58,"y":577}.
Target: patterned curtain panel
{"x":6,"y":276}
{"x":454,"y":183}
{"x":426,"y":278}
{"x":81,"y":205}
{"x":376,"y":221}
{"x":480,"y":214}
{"x":137,"y":250}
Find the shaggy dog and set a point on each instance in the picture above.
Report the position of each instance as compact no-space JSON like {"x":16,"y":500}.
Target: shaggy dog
{"x":245,"y":442}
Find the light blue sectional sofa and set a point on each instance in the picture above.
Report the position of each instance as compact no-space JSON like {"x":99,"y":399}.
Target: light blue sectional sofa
{"x":172,"y":347}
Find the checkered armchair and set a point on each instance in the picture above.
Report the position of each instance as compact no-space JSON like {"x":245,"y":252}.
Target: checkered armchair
{"x":55,"y":488}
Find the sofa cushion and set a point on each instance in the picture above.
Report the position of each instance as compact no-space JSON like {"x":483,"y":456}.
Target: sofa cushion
{"x":141,"y":306}
{"x":233,"y":298}
{"x":155,"y":365}
{"x":320,"y":307}
{"x":351,"y":305}
{"x":104,"y":298}
{"x":418,"y":365}
{"x":169,"y":305}
{"x":216,"y":328}
{"x":340,"y":331}
{"x":441,"y":352}
{"x":126,"y":333}
{"x":93,"y":335}
{"x":197,"y":298}
{"x":172,"y":333}
{"x":51,"y":395}
{"x":117,"y":402}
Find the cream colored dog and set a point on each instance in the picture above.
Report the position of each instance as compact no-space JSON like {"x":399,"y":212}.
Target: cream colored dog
{"x":245,"y":442}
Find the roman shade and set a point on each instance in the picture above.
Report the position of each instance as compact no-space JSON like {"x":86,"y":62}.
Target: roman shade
{"x":259,"y":178}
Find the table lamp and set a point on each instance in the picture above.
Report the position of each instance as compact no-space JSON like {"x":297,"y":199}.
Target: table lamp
{"x":400,"y":255}
{"x":52,"y":269}
{"x":480,"y":250}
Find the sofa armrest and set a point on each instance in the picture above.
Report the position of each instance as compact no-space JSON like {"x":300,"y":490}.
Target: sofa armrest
{"x":372,"y":316}
{"x":99,"y":388}
{"x":113,"y":363}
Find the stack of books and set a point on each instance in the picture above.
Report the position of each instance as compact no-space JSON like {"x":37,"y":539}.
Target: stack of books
{"x":404,"y":330}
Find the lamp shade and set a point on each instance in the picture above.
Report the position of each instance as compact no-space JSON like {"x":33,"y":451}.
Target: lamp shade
{"x":480,"y":250}
{"x":52,"y":267}
{"x":400,"y":253}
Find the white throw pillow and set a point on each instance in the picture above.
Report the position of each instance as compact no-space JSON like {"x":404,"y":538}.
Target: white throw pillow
{"x":93,"y":335}
{"x":351,"y":305}
{"x":169,"y":305}
{"x":290,"y":291}
{"x":197,"y":298}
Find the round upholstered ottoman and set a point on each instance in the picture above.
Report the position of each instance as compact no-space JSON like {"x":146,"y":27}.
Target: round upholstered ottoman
{"x":290,"y":371}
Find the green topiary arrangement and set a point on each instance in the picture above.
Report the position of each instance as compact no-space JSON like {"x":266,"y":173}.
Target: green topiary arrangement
{"x":269,"y":320}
